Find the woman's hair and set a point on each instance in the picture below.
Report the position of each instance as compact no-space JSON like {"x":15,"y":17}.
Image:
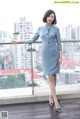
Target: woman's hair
{"x":47,"y":13}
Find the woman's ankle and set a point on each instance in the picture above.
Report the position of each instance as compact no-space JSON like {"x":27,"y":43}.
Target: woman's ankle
{"x":57,"y":104}
{"x":50,"y":98}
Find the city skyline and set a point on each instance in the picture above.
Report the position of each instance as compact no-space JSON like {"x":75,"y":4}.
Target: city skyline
{"x":12,"y":10}
{"x":17,"y":58}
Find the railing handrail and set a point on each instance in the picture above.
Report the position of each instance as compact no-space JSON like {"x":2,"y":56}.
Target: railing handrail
{"x":24,"y":42}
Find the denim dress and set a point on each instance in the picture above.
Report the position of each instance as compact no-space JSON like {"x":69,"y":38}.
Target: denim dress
{"x":51,"y":45}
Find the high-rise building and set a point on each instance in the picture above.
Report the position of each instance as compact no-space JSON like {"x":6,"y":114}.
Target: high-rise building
{"x":3,"y":36}
{"x":74,"y":33}
{"x":22,"y":32}
{"x":66,"y":32}
{"x":78,"y":33}
{"x":63,"y":33}
{"x":22,"y":29}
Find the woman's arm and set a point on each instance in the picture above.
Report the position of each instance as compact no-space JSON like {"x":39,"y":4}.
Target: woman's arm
{"x":59,"y":46}
{"x":58,"y":39}
{"x":34,"y":38}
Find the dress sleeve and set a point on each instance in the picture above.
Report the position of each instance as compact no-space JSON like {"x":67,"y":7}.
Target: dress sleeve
{"x":58,"y":39}
{"x":34,"y":38}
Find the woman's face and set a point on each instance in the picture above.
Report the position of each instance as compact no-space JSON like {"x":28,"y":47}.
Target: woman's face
{"x":50,"y":18}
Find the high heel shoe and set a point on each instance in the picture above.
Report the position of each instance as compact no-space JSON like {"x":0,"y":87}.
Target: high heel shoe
{"x":58,"y":110}
{"x":51,"y":102}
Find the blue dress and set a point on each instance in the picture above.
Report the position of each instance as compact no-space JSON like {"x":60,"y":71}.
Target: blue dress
{"x":51,"y":45}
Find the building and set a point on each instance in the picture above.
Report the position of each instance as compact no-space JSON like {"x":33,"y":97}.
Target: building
{"x":78,"y":33}
{"x":66,"y":32}
{"x":3,"y":36}
{"x":22,"y":32}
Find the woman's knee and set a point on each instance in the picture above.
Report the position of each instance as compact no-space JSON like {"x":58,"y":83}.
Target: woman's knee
{"x":50,"y":76}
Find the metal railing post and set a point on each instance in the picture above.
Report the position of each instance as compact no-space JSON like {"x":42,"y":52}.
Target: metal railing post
{"x":32,"y":70}
{"x":31,"y":50}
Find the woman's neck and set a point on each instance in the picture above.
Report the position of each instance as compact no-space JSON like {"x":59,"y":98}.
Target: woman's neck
{"x":48,"y":24}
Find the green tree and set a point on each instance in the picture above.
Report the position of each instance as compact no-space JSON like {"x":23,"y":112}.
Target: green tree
{"x":13,"y":81}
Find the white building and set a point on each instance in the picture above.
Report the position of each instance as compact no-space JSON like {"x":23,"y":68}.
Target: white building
{"x":78,"y":33}
{"x":22,"y":32}
{"x":63,"y":33}
{"x":22,"y":29}
{"x":3,"y":36}
{"x":66,"y":32}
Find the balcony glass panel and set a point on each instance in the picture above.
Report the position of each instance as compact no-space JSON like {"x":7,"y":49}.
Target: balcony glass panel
{"x":13,"y":68}
{"x":70,"y":67}
{"x":22,"y":69}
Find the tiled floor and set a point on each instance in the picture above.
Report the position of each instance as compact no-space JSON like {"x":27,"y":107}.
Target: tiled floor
{"x":70,"y":110}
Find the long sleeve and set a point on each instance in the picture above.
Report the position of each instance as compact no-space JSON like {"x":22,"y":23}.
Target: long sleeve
{"x":34,"y":38}
{"x":59,"y":39}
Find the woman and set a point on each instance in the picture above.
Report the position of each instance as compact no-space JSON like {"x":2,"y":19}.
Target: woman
{"x":51,"y":52}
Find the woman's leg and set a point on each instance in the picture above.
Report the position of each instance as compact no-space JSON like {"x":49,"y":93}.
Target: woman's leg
{"x":55,"y":79}
{"x":50,"y":97}
{"x":53,"y":90}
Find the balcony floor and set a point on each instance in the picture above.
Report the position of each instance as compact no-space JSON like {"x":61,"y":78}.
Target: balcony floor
{"x":41,"y":110}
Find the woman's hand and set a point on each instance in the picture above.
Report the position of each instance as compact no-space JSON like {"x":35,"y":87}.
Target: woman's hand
{"x":29,"y":42}
{"x":60,"y":59}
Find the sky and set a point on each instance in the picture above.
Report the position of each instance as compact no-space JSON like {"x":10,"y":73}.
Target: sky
{"x":33,"y":10}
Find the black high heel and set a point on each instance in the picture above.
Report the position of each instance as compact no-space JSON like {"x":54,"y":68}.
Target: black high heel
{"x":58,"y":110}
{"x":51,"y":102}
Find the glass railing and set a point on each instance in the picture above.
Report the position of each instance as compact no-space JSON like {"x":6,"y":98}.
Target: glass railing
{"x":21,"y":66}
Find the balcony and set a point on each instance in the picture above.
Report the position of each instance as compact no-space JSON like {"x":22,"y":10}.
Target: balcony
{"x":31,"y":101}
{"x":41,"y":110}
